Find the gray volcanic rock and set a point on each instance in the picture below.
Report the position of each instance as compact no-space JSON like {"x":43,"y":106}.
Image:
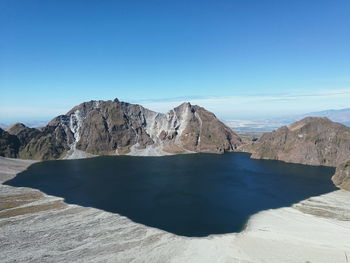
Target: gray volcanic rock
{"x":204,"y":133}
{"x":114,"y":127}
{"x":45,"y":144}
{"x":341,"y":177}
{"x":313,"y":141}
{"x":9,"y":144}
{"x":50,"y":144}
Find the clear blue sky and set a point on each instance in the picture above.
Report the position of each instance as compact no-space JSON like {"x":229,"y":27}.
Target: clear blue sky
{"x":238,"y":58}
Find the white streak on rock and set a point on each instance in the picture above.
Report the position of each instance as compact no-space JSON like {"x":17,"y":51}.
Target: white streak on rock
{"x":75,"y":123}
{"x":200,"y":127}
{"x":171,"y":123}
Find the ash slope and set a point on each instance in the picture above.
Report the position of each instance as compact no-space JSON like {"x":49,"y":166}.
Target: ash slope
{"x":312,"y":141}
{"x":114,"y":127}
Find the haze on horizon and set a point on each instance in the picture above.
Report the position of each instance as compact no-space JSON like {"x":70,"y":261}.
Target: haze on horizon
{"x":238,"y":59}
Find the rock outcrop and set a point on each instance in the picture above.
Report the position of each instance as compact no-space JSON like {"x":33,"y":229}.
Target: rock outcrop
{"x":23,"y":133}
{"x":313,"y":141}
{"x":9,"y":144}
{"x":341,"y":178}
{"x":114,"y":127}
{"x":50,"y":143}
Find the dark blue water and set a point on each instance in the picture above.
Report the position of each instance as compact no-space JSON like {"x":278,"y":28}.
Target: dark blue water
{"x":189,"y":195}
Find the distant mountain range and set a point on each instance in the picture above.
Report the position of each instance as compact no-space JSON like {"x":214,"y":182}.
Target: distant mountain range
{"x":341,"y":116}
{"x":265,"y":125}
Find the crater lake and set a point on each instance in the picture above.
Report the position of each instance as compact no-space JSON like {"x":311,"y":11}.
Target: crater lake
{"x":190,"y":195}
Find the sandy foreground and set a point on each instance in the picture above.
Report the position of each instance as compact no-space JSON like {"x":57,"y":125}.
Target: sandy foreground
{"x":35,"y":227}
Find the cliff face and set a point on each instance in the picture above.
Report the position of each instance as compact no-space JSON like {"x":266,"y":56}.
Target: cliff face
{"x":9,"y":144}
{"x":50,"y":143}
{"x":30,"y":143}
{"x":113,"y":127}
{"x":23,"y":133}
{"x":341,"y":177}
{"x":313,"y":141}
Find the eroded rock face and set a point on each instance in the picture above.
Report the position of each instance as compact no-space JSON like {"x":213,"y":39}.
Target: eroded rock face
{"x":114,"y":127}
{"x":23,"y":133}
{"x":313,"y":141}
{"x":211,"y":136}
{"x":50,"y":144}
{"x":9,"y":144}
{"x":341,"y":178}
{"x":110,"y":127}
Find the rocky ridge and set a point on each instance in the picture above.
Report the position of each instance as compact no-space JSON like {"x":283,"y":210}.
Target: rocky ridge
{"x":9,"y":144}
{"x":114,"y":127}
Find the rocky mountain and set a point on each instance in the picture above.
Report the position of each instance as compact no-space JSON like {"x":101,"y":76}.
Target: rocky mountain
{"x":312,"y":141}
{"x":9,"y":144}
{"x":114,"y":127}
{"x":23,"y":133}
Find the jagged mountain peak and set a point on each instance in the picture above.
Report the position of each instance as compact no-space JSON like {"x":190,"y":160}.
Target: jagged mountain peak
{"x":115,"y":127}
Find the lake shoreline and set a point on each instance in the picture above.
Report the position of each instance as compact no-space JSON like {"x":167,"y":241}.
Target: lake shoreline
{"x":315,"y":230}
